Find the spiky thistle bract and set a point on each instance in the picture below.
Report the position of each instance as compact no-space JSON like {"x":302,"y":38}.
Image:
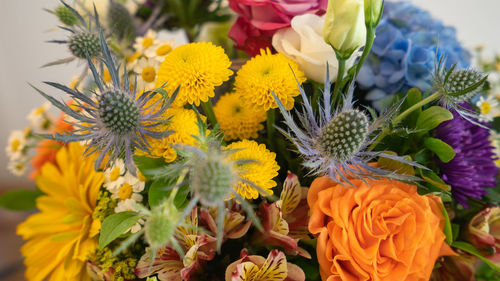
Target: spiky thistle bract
{"x":114,"y":119}
{"x":84,"y":39}
{"x":211,"y":175}
{"x":335,"y":142}
{"x":456,"y":87}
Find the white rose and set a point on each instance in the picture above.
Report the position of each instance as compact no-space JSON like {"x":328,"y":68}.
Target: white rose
{"x":303,"y":42}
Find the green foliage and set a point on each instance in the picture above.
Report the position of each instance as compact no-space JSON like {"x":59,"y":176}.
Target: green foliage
{"x":469,"y":248}
{"x":160,"y":190}
{"x":115,"y":225}
{"x":431,"y":118}
{"x":150,"y":167}
{"x":20,"y":200}
{"x":444,"y":151}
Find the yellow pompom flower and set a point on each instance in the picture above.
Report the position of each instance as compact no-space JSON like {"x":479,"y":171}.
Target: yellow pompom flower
{"x":184,"y":124}
{"x":261,"y":172}
{"x":197,"y":68}
{"x":265,"y":73}
{"x":63,"y":234}
{"x":237,"y":120}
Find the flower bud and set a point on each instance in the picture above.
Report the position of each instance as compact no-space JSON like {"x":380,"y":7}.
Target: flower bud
{"x":373,"y":9}
{"x":345,"y":28}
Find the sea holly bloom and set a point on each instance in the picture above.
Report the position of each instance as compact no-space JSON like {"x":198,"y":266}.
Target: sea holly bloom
{"x":257,"y":268}
{"x":285,"y":221}
{"x":167,"y":262}
{"x":336,"y":142}
{"x":115,"y":119}
{"x":484,"y":233}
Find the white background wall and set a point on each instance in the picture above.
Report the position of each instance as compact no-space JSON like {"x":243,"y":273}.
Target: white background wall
{"x":24,"y":28}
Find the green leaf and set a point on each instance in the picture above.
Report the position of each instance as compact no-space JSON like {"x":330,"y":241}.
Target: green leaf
{"x":20,"y":200}
{"x":412,"y":97}
{"x":180,"y":200}
{"x":435,"y":180}
{"x":115,"y":225}
{"x":432,"y":117}
{"x":159,"y":190}
{"x":448,"y":231}
{"x":469,"y":248}
{"x":149,"y":167}
{"x":443,"y":150}
{"x":393,"y":165}
{"x":455,"y":229}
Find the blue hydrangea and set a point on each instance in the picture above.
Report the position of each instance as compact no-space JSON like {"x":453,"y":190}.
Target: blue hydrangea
{"x":408,"y":41}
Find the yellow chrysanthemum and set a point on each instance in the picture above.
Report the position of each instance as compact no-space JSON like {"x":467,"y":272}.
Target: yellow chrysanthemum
{"x":261,"y":172}
{"x":265,"y":73}
{"x":184,"y":124}
{"x":237,"y":120}
{"x":197,"y":68}
{"x":63,"y":234}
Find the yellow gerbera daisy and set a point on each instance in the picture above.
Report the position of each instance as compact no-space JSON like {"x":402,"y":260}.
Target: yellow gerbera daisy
{"x":261,"y":172}
{"x":63,"y":234}
{"x":265,"y":73}
{"x":198,"y":68}
{"x":184,"y":124}
{"x":237,"y":120}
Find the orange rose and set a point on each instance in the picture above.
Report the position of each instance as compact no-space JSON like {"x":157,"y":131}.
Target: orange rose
{"x":379,"y":230}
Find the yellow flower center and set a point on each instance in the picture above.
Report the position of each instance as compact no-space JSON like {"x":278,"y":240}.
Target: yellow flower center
{"x":148,"y":74}
{"x":39,"y":111}
{"x":485,"y":107}
{"x":133,"y":57}
{"x":125,"y":191}
{"x":14,"y":146}
{"x":163,"y":50}
{"x":19,"y":166}
{"x":146,"y":42}
{"x":115,"y":173}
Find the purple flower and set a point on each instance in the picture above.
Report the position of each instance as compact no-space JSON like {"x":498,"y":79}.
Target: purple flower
{"x":473,"y":167}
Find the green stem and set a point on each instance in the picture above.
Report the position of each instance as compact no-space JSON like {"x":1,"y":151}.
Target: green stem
{"x":403,"y":115}
{"x":370,"y":38}
{"x":340,"y":76}
{"x":209,"y":111}
{"x":271,"y":116}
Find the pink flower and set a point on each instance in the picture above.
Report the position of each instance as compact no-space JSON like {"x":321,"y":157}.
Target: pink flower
{"x":274,"y":268}
{"x":260,"y":19}
{"x":284,"y":222}
{"x":484,"y":233}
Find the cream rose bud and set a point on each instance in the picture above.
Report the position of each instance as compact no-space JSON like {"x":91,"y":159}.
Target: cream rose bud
{"x":373,"y":8}
{"x":345,"y":28}
{"x":303,"y":43}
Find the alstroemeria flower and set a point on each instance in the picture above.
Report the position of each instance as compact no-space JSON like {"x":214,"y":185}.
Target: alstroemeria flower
{"x":456,"y":268}
{"x":285,"y":221}
{"x":484,"y":233}
{"x":197,"y":248}
{"x":235,"y":224}
{"x":257,"y":268}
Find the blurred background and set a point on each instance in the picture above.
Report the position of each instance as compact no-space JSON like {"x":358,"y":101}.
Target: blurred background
{"x":25,"y":27}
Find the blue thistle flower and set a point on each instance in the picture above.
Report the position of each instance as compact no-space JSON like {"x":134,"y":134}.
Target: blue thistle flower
{"x":404,"y":51}
{"x":113,"y":119}
{"x":473,"y":168}
{"x":336,"y":141}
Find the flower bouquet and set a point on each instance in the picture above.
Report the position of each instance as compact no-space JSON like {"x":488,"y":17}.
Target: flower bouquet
{"x":334,"y":140}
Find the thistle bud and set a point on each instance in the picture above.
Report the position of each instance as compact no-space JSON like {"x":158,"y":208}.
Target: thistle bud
{"x":81,"y":43}
{"x":344,"y":27}
{"x":120,"y":22}
{"x":65,"y":15}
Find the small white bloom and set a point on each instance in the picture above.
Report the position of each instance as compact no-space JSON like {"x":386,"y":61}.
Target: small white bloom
{"x":39,"y":117}
{"x":143,"y":43}
{"x":16,"y":144}
{"x":17,"y":167}
{"x":113,"y":176}
{"x":146,"y":70}
{"x":160,"y":49}
{"x":488,"y":108}
{"x":303,"y":42}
